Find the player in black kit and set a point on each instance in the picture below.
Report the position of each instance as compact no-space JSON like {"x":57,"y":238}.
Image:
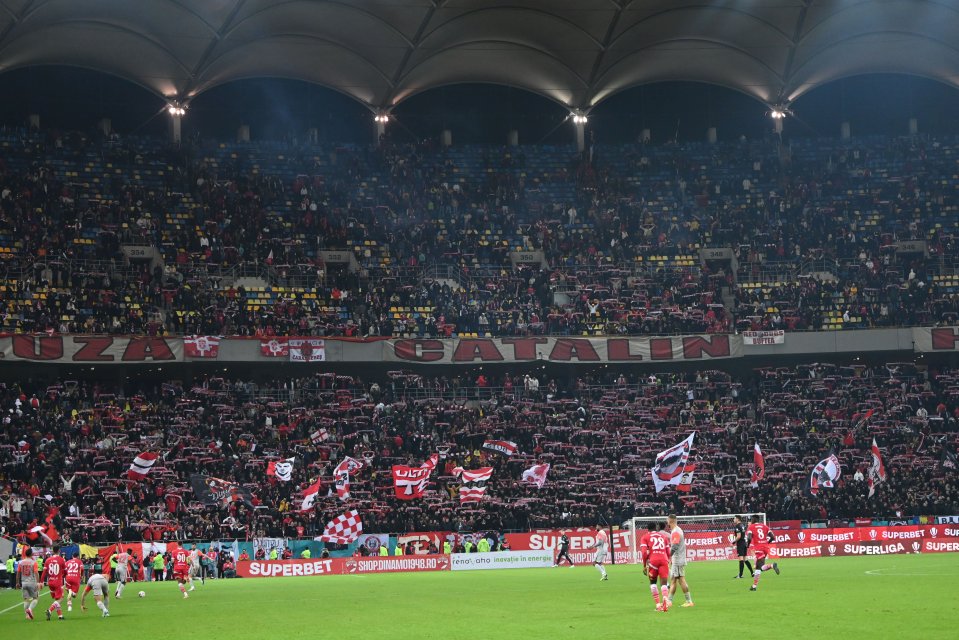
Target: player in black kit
{"x":742,"y":545}
{"x":563,"y":551}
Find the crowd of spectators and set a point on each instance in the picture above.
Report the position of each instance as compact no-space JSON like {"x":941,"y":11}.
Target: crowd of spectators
{"x":66,"y":448}
{"x":816,"y":231}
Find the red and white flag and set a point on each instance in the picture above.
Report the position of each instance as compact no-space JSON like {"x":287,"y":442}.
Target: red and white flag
{"x":201,"y":346}
{"x":47,"y":534}
{"x":474,"y":483}
{"x":409,"y":483}
{"x":320,"y":435}
{"x":341,"y":475}
{"x":141,"y":465}
{"x":307,"y":350}
{"x":536,"y":475}
{"x":343,"y":529}
{"x":877,"y":471}
{"x":673,"y":467}
{"x":759,"y":467}
{"x":505,"y":447}
{"x":309,"y":496}
{"x":282,"y":469}
{"x":275,"y":348}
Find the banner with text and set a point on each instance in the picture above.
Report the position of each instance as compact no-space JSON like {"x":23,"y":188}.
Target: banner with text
{"x":764,"y":337}
{"x":340,"y":566}
{"x":565,"y":350}
{"x":581,"y":543}
{"x":501,"y":560}
{"x":68,"y":349}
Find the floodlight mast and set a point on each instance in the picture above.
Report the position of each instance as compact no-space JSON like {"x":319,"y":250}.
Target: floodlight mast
{"x":177,"y":110}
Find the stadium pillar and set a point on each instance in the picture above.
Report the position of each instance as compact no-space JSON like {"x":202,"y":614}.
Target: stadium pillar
{"x":645,"y":136}
{"x":33,"y":121}
{"x":105,"y":126}
{"x":579,"y":127}
{"x":313,"y":135}
{"x":446,"y":138}
{"x":512,"y":138}
{"x":845,"y":131}
{"x":778,"y":125}
{"x":913,"y":126}
{"x":243,"y":133}
{"x":711,"y":135}
{"x":176,"y":128}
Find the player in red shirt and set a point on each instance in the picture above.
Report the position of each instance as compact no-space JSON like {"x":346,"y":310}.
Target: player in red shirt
{"x":181,"y":569}
{"x":760,"y":537}
{"x":54,"y":571}
{"x":74,"y":573}
{"x":655,"y":550}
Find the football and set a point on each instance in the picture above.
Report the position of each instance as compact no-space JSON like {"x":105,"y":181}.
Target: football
{"x":142,"y":594}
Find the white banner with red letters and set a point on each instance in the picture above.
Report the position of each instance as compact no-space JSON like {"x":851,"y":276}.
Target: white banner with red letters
{"x":66,"y":349}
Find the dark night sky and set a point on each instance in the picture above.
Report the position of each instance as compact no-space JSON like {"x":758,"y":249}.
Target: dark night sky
{"x":73,"y":98}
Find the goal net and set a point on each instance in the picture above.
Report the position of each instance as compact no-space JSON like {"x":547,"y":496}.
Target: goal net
{"x":714,"y":523}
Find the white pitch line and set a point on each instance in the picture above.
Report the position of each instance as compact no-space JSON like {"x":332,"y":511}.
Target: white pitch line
{"x":20,"y":604}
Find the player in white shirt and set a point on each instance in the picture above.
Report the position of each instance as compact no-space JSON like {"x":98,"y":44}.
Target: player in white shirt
{"x":122,"y":572}
{"x":677,"y":566}
{"x":97,"y":583}
{"x":195,"y":570}
{"x":601,"y":546}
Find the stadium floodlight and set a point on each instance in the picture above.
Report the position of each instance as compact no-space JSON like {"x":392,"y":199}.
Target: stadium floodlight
{"x":779,"y":112}
{"x":381,"y":118}
{"x":718,"y":523}
{"x":176,"y":109}
{"x":578,"y":117}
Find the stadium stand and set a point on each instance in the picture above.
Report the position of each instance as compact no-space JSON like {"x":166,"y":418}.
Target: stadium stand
{"x":67,"y":447}
{"x":828,"y":236}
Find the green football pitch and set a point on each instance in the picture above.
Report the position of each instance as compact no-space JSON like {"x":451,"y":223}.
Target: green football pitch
{"x":875,"y":597}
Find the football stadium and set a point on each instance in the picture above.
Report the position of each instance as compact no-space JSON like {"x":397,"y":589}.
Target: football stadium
{"x":479,"y":318}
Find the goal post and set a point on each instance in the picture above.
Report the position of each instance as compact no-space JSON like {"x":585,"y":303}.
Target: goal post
{"x":711,"y":523}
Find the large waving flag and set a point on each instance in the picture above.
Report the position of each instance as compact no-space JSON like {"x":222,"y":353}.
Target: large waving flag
{"x":536,"y":475}
{"x":141,"y":465}
{"x":309,"y":496}
{"x":210,"y":490}
{"x":947,"y":459}
{"x":877,"y":471}
{"x":343,"y":529}
{"x":410,"y":482}
{"x":673,"y":468}
{"x":341,"y":475}
{"x":759,"y":467}
{"x":282,"y":469}
{"x":824,"y":474}
{"x":474,"y":483}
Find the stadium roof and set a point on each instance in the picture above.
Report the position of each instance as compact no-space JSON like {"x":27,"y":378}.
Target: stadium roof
{"x":577,"y":52}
